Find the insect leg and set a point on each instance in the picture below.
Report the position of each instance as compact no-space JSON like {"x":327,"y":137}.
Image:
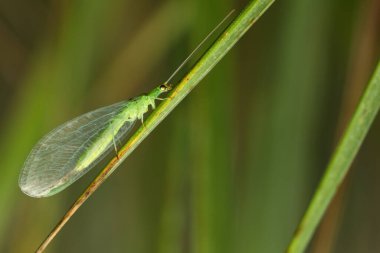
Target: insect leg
{"x":162,"y":99}
{"x":115,"y":147}
{"x":142,"y":121}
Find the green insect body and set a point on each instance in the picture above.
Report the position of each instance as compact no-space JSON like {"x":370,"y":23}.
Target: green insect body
{"x":66,"y":153}
{"x":134,"y":110}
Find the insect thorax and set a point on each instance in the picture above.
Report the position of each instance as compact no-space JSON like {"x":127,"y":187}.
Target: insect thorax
{"x":136,"y":108}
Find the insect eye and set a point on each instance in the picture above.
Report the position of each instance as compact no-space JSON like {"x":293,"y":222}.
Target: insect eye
{"x":163,"y":87}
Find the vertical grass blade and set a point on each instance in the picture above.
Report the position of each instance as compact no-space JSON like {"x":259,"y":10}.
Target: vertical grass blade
{"x":210,"y":147}
{"x":340,"y":163}
{"x":281,"y":123}
{"x":58,"y":76}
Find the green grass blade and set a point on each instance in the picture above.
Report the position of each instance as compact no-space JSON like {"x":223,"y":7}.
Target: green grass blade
{"x":283,"y":117}
{"x":213,"y":55}
{"x":340,"y":163}
{"x":209,"y":148}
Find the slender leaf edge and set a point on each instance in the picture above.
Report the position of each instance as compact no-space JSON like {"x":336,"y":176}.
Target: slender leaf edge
{"x":339,"y":164}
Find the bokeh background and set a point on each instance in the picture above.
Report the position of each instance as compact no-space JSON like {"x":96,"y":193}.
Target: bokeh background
{"x":234,"y":166}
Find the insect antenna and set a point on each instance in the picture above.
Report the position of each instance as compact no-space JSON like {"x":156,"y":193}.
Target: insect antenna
{"x":199,"y":45}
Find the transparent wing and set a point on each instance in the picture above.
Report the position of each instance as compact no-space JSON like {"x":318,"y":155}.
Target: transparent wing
{"x":50,"y":166}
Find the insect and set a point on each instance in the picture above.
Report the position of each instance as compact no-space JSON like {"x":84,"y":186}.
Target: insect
{"x":72,"y":149}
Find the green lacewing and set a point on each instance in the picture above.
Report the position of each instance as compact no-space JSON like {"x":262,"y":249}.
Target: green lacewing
{"x":72,"y":149}
{"x":69,"y":151}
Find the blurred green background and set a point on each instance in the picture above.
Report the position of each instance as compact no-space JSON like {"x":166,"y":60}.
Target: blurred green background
{"x":233,"y":168}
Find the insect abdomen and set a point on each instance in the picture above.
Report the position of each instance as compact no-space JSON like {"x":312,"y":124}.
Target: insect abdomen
{"x":97,"y":147}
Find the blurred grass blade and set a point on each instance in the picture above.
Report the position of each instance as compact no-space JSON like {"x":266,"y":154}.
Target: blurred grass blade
{"x":58,"y":75}
{"x":209,"y":148}
{"x":340,"y":163}
{"x":213,"y":55}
